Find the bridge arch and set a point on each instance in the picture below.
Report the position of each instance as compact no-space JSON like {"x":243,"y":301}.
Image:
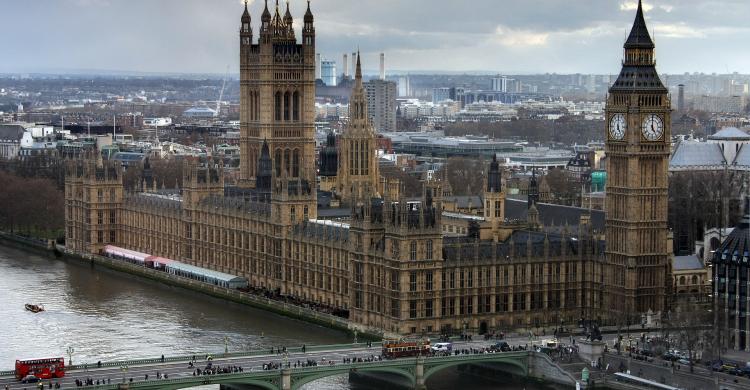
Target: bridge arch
{"x":518,"y":367}
{"x":306,"y":377}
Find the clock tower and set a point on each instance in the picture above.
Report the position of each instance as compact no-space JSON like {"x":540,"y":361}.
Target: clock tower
{"x":638,"y":146}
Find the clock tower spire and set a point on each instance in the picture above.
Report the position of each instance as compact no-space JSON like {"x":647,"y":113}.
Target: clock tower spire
{"x":638,"y":145}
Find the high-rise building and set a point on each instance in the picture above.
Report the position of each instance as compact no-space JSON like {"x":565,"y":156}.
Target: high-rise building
{"x":500,"y":83}
{"x":382,"y":66}
{"x":638,"y":110}
{"x":381,"y":104}
{"x":681,"y":97}
{"x":328,"y":72}
{"x":345,"y":64}
{"x":440,"y":94}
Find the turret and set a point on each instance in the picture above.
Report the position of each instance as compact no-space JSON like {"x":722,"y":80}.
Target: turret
{"x":308,"y":30}
{"x":533,"y":192}
{"x":246,"y":31}
{"x":265,"y":25}
{"x":288,"y":20}
{"x":494,"y":177}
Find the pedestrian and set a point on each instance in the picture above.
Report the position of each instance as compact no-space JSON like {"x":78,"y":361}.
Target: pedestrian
{"x":162,"y":358}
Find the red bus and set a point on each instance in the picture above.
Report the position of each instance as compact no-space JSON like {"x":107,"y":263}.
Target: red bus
{"x":41,"y":368}
{"x":393,"y":349}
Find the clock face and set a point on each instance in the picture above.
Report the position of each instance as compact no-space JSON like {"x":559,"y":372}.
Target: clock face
{"x":617,"y":127}
{"x":653,"y":127}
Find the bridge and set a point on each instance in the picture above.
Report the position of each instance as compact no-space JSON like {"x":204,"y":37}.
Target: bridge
{"x":410,"y":372}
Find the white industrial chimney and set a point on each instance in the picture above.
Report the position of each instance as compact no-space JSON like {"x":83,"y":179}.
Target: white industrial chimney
{"x":382,"y":66}
{"x":346,"y":66}
{"x":318,"y":70}
{"x":354,"y":61}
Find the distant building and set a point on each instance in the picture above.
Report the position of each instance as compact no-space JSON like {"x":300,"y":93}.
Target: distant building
{"x":500,"y":83}
{"x":404,"y":87}
{"x":199,"y":112}
{"x":328,"y":72}
{"x":381,"y":104}
{"x":440,"y":94}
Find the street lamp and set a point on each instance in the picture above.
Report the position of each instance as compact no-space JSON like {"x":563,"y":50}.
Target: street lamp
{"x":124,"y":369}
{"x":226,"y":345}
{"x":71,"y":350}
{"x":355,"y":336}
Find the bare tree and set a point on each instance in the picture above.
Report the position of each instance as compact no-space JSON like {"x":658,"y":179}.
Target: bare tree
{"x":691,"y":324}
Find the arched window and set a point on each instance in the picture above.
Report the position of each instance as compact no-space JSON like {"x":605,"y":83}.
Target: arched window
{"x":682,"y":280}
{"x":278,"y":106}
{"x":295,"y":163}
{"x":413,"y":251}
{"x":295,"y":114}
{"x":287,"y":161}
{"x":287,"y":106}
{"x":694,"y":280}
{"x":277,"y":162}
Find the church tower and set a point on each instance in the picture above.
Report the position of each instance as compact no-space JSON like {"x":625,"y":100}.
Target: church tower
{"x":637,"y":147}
{"x":358,"y":161}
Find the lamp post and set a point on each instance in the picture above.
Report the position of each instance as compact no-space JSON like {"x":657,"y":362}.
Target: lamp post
{"x":70,"y":351}
{"x":226,"y":345}
{"x":355,"y":336}
{"x":124,"y":369}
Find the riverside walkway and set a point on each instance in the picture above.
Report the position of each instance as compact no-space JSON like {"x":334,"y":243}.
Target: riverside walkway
{"x":293,"y":369}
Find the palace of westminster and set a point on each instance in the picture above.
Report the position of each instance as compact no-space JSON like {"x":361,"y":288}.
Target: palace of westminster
{"x":388,"y":261}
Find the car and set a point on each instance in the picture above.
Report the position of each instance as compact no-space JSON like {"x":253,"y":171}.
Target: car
{"x":500,"y":346}
{"x":727,"y":367}
{"x":684,"y":361}
{"x":442,"y":347}
{"x":30,"y":379}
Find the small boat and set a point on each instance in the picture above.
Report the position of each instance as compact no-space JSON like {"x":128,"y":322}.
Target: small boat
{"x":34,"y":308}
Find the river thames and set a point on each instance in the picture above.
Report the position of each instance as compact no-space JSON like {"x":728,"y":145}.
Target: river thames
{"x":106,"y":315}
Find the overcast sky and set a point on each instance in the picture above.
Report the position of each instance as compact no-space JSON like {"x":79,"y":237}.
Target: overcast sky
{"x":506,"y":36}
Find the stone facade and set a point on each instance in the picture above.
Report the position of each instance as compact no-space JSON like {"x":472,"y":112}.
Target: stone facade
{"x":389,"y":264}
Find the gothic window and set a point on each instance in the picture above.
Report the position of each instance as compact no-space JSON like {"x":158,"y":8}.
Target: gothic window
{"x":428,"y":250}
{"x":428,"y":308}
{"x":413,"y":281}
{"x":277,"y":162}
{"x":295,"y":114}
{"x":287,"y":162}
{"x":413,"y":251}
{"x":295,"y":163}
{"x":287,"y":106}
{"x":277,"y":110}
{"x":428,"y":281}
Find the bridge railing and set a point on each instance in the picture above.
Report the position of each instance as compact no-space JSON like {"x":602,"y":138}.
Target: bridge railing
{"x":215,"y":356}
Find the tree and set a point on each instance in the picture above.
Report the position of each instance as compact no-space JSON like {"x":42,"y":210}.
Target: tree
{"x":691,"y":324}
{"x":466,"y":175}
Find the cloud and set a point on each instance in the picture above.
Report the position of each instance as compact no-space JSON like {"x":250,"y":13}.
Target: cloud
{"x":520,"y":38}
{"x":530,"y":35}
{"x":633,"y":5}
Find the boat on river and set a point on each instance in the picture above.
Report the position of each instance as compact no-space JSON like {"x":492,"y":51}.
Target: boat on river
{"x":34,"y":308}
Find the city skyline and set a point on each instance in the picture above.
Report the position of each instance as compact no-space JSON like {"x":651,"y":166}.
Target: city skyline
{"x":533,"y":37}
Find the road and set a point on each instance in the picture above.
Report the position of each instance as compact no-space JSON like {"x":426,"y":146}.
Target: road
{"x":176,"y":370}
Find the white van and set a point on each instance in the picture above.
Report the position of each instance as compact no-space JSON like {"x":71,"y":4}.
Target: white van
{"x":442,"y":347}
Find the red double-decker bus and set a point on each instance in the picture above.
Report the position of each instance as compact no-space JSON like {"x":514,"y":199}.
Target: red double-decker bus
{"x":41,"y":368}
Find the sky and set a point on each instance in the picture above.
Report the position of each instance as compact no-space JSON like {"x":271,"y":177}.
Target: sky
{"x":497,"y":36}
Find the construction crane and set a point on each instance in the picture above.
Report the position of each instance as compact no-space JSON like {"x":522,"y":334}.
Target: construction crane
{"x":221,"y":94}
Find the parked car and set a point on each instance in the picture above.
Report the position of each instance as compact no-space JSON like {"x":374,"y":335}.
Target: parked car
{"x":684,"y":361}
{"x":29,"y":379}
{"x":727,"y":367}
{"x":500,"y":346}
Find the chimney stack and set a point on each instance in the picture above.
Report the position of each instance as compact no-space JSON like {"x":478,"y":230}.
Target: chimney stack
{"x":346,"y":66}
{"x":382,"y":66}
{"x":318,"y":70}
{"x":354,"y":61}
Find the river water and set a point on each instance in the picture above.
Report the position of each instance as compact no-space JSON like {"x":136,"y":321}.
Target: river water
{"x":106,"y":315}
